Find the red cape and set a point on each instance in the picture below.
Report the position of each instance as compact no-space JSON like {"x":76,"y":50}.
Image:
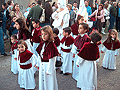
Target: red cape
{"x":14,"y":46}
{"x":74,"y":28}
{"x":25,"y":56}
{"x":89,"y":51}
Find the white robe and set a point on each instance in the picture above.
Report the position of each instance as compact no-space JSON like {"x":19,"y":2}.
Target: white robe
{"x":67,"y":59}
{"x":26,"y":76}
{"x":47,"y":82}
{"x":87,"y":75}
{"x":61,"y":16}
{"x":75,"y":68}
{"x":109,"y":60}
{"x":14,"y":63}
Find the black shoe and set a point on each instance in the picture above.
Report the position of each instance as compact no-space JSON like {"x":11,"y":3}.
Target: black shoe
{"x":65,"y":74}
{"x":61,"y":72}
{"x":4,"y":54}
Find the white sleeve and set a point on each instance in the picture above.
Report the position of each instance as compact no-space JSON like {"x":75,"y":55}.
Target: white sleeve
{"x":54,"y":15}
{"x":74,"y":48}
{"x":117,"y":52}
{"x":16,"y":53}
{"x":100,"y":47}
{"x":104,"y":49}
{"x":51,"y":65}
{"x":38,"y":61}
{"x":66,"y":20}
{"x":79,"y":60}
{"x":34,"y":58}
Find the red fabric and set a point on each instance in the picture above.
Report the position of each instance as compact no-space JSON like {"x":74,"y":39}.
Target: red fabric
{"x":25,"y":56}
{"x":65,"y":50}
{"x":74,"y":28}
{"x":57,"y":41}
{"x":79,"y":41}
{"x":14,"y":45}
{"x":36,"y":35}
{"x":28,"y":66}
{"x":89,"y":51}
{"x":68,"y":41}
{"x":116,"y":45}
{"x":93,"y":18}
{"x":49,"y":52}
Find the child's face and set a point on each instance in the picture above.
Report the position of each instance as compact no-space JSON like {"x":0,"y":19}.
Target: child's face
{"x":14,"y":19}
{"x":17,"y":25}
{"x":13,"y":40}
{"x":75,"y":4}
{"x":54,"y":35}
{"x":45,"y":35}
{"x":65,"y":33}
{"x":35,"y":25}
{"x":81,"y":29}
{"x":81,"y":20}
{"x":21,"y":47}
{"x":113,"y":35}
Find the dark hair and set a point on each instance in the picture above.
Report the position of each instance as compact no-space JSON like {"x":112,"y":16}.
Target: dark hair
{"x":56,"y":31}
{"x":78,"y":18}
{"x":85,"y":26}
{"x":23,"y":27}
{"x":33,"y":3}
{"x":39,"y":2}
{"x":48,"y":8}
{"x":13,"y":16}
{"x":13,"y":9}
{"x":67,"y":29}
{"x":23,"y":42}
{"x":95,"y":36}
{"x":36,"y":21}
{"x":14,"y":36}
{"x":53,"y":4}
{"x":101,"y":5}
{"x":48,"y":29}
{"x":75,"y":2}
{"x":109,"y":35}
{"x":9,"y":2}
{"x":5,"y":5}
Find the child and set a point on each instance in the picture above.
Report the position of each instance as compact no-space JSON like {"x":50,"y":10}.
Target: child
{"x":111,"y":46}
{"x":14,"y":63}
{"x":87,"y":57}
{"x":66,"y":46}
{"x":78,"y":43}
{"x":35,"y":34}
{"x":75,"y":27}
{"x":56,"y":41}
{"x":26,"y":73}
{"x":48,"y":52}
{"x":12,"y":29}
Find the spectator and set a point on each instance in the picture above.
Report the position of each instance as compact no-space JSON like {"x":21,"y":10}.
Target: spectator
{"x":118,"y":18}
{"x":105,"y":15}
{"x":48,"y":12}
{"x":5,"y":18}
{"x":74,"y":8}
{"x":2,"y":50}
{"x":109,"y":5}
{"x":10,"y":5}
{"x":99,"y":15}
{"x":72,"y":15}
{"x":53,"y":6}
{"x":89,"y":10}
{"x":113,"y":14}
{"x":35,"y":13}
{"x":16,"y":11}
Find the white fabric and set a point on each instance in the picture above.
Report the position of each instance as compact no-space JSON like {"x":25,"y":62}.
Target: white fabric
{"x":109,"y":60}
{"x":82,"y":10}
{"x":67,"y":59}
{"x":14,"y":63}
{"x":87,"y":79}
{"x":47,"y":82}
{"x":35,"y":45}
{"x":61,"y":3}
{"x":26,"y":76}
{"x":30,"y":48}
{"x":58,"y":18}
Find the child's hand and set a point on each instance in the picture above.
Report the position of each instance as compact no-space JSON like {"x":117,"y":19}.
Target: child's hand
{"x":73,"y":55}
{"x":36,"y":67}
{"x":48,"y":74}
{"x":77,"y":65}
{"x":102,"y":51}
{"x":15,"y":58}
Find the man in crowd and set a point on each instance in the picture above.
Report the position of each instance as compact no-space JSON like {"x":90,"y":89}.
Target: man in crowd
{"x":89,"y":10}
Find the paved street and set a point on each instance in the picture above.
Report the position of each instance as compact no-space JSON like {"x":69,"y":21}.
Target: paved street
{"x":107,"y":79}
